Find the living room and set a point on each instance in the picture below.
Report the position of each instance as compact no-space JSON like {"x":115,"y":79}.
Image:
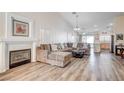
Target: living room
{"x":66,"y":46}
{"x":96,"y":37}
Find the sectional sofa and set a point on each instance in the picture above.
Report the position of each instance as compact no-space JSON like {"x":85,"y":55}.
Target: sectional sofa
{"x":58,"y":54}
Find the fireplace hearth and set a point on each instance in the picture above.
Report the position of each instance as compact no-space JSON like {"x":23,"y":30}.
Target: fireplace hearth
{"x":19,"y":57}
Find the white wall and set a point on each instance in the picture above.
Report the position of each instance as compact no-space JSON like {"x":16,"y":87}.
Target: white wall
{"x":50,"y":27}
{"x":2,"y":24}
{"x":119,"y":28}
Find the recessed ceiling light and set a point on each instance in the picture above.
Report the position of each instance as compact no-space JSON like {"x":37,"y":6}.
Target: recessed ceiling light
{"x":95,"y":26}
{"x":111,"y":24}
{"x":84,"y":33}
{"x":96,"y":29}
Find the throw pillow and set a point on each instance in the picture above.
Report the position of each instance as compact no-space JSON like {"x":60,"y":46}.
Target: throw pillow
{"x":54,"y":47}
{"x":74,"y":45}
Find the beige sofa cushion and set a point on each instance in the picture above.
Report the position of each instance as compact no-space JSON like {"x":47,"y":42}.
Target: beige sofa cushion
{"x":42,"y":46}
{"x":60,"y":56}
{"x":45,"y":47}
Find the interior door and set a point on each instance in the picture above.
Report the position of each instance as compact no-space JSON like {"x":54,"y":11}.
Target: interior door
{"x":112,"y":43}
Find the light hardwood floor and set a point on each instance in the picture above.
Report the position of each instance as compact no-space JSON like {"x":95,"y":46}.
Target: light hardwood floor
{"x":104,"y":66}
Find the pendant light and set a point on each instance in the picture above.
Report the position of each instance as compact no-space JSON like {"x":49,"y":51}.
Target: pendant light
{"x":76,"y":28}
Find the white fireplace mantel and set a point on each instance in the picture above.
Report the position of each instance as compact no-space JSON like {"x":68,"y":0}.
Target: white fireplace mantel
{"x":10,"y":40}
{"x":4,"y":50}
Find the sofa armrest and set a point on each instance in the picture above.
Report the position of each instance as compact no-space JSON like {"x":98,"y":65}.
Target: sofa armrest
{"x":42,"y":55}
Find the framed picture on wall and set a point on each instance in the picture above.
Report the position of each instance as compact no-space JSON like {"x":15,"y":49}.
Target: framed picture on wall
{"x":20,"y":28}
{"x":119,"y":36}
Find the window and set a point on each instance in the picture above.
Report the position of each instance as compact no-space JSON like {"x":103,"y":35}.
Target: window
{"x":88,"y":39}
{"x":105,"y":39}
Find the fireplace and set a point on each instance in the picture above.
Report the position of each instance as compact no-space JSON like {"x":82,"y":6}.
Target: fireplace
{"x":19,"y":57}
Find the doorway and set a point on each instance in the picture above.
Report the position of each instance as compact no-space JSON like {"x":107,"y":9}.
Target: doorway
{"x":90,"y":40}
{"x":105,"y":42}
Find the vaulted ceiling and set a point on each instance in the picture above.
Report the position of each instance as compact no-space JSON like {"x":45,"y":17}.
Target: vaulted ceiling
{"x":92,"y":21}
